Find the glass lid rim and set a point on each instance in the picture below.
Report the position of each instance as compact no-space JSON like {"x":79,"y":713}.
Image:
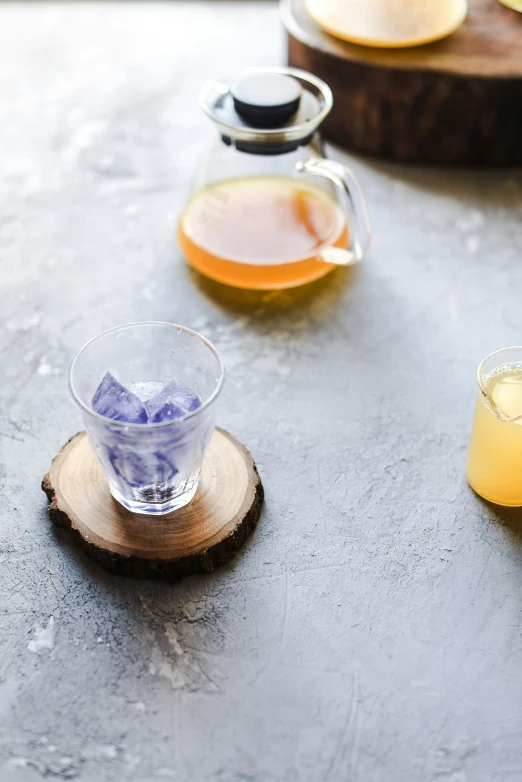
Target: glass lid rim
{"x":272,"y":134}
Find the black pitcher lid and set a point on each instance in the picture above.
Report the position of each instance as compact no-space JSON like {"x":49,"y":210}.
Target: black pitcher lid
{"x":267,"y":110}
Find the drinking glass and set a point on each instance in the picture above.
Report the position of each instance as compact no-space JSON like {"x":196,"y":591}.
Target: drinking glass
{"x":494,"y":465}
{"x":150,"y":468}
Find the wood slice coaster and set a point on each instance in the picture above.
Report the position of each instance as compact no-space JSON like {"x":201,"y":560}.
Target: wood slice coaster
{"x":457,"y":101}
{"x":197,"y":538}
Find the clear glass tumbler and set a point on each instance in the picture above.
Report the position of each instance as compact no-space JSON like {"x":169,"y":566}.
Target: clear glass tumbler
{"x":151,"y":468}
{"x":494,"y":465}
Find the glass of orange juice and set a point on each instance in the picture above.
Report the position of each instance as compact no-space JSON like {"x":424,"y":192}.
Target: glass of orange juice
{"x":494,"y":466}
{"x":389,"y":23}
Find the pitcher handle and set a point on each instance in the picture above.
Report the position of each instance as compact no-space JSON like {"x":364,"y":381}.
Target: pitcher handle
{"x":355,"y":207}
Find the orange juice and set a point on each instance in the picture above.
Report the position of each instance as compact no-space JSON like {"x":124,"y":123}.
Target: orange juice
{"x":389,"y":23}
{"x":261,"y":232}
{"x":515,"y":4}
{"x":494,"y":467}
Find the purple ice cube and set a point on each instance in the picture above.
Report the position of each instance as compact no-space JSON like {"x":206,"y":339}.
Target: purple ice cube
{"x":173,"y":401}
{"x":143,"y":470}
{"x":114,"y":401}
{"x":145,"y":389}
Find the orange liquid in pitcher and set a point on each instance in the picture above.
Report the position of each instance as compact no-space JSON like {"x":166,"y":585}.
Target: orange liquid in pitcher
{"x":261,"y":232}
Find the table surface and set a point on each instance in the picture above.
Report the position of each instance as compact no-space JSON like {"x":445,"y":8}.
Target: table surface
{"x":371,"y":628}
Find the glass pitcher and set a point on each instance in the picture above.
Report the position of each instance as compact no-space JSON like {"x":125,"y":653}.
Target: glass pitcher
{"x":269,"y":210}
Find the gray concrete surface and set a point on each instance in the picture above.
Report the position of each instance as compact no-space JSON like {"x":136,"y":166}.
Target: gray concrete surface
{"x":371,"y":629}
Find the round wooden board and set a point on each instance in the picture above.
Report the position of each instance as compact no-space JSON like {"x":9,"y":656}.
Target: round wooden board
{"x":197,"y":538}
{"x":457,"y":101}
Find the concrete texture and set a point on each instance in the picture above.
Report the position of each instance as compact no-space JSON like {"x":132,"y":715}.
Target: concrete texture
{"x":371,"y":628}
